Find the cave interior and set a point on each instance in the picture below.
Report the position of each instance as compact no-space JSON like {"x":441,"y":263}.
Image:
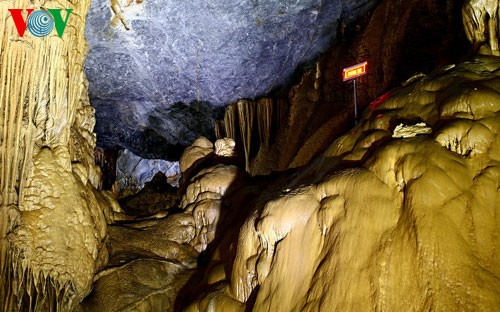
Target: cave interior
{"x":217,"y":156}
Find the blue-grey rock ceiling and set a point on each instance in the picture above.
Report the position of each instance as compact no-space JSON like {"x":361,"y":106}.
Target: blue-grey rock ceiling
{"x":158,"y":85}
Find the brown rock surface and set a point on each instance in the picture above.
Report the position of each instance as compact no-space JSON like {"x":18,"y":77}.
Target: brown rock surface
{"x":378,"y":223}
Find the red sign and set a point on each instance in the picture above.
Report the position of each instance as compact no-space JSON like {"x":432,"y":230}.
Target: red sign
{"x":354,"y":71}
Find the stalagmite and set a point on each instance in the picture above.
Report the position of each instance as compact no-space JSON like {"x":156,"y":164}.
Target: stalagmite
{"x":197,"y":151}
{"x":225,"y":147}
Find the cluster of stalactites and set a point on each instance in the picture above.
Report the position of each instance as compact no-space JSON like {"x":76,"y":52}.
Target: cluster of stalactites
{"x":33,"y":290}
{"x":247,"y":121}
{"x":45,"y":112}
{"x":480,"y":19}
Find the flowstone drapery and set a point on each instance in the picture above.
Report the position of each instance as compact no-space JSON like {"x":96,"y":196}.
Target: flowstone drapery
{"x":52,"y":222}
{"x":481,"y":23}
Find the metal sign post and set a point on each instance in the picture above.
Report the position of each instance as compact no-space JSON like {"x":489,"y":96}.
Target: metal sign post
{"x":351,"y":73}
{"x":355,"y":102}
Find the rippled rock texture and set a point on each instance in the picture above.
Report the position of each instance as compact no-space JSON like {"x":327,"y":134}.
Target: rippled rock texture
{"x":379,"y":222}
{"x":209,"y":52}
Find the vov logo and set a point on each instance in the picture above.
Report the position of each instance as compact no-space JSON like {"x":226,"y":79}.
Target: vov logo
{"x":40,"y":23}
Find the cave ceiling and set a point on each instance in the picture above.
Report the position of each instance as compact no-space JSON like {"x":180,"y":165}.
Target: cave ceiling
{"x":160,"y":71}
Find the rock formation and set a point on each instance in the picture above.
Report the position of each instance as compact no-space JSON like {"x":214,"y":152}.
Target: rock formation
{"x":225,"y":147}
{"x":399,"y":214}
{"x":165,"y":244}
{"x":481,"y":23}
{"x":133,"y":172}
{"x":380,"y":222}
{"x":52,"y":220}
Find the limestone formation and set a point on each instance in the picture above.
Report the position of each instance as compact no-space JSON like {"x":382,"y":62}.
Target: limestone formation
{"x":148,"y":56}
{"x":319,"y":107}
{"x":133,"y":172}
{"x":481,"y":23}
{"x":243,"y":118}
{"x":383,"y":223}
{"x":410,"y":131}
{"x":203,"y":199}
{"x":53,"y":223}
{"x":164,"y":244}
{"x":225,"y":147}
{"x":139,"y":285}
{"x":399,"y":214}
{"x":196,"y":152}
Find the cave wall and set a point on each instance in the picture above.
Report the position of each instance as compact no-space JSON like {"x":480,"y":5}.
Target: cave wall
{"x":398,"y":214}
{"x":397,"y":39}
{"x":436,"y":217}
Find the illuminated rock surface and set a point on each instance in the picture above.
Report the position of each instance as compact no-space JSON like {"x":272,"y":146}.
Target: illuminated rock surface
{"x":52,"y":220}
{"x":481,"y":23}
{"x":140,"y":285}
{"x":382,"y":223}
{"x":225,"y":147}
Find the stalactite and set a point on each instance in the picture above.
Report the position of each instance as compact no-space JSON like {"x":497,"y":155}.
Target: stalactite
{"x":246,"y":114}
{"x":481,"y":22}
{"x":230,"y":121}
{"x":106,"y":160}
{"x":282,"y":110}
{"x":264,"y":120}
{"x":32,"y":290}
{"x":267,"y":114}
{"x":220,"y":129}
